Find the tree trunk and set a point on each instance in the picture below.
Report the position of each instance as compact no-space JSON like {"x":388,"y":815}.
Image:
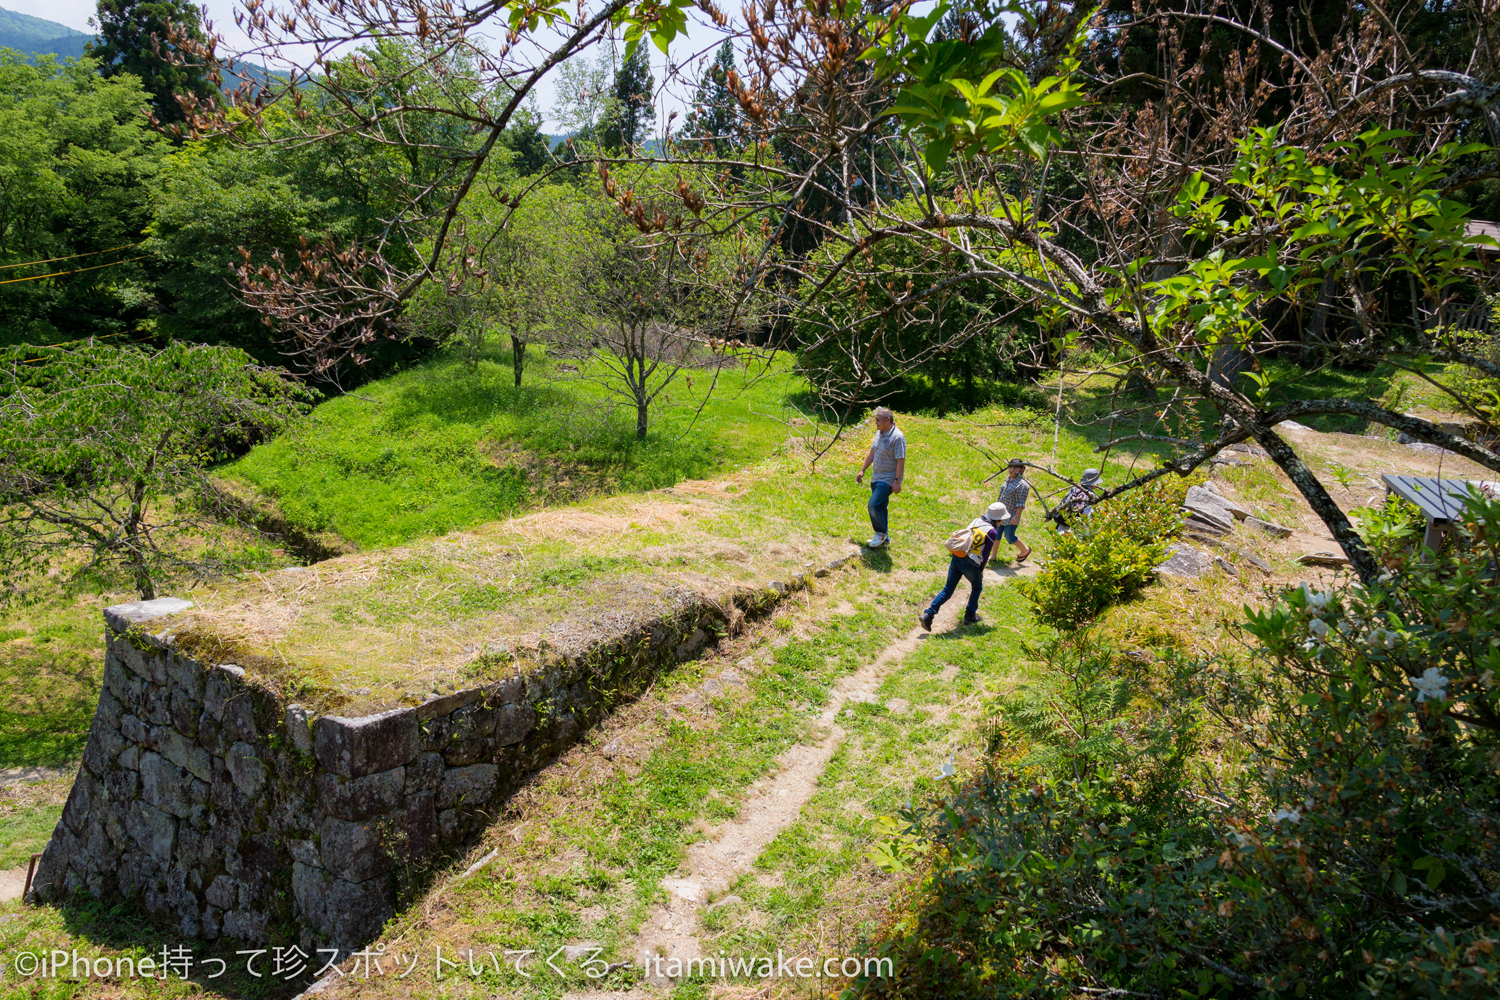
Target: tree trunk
{"x":136,"y":560}
{"x":641,"y":413}
{"x":517,"y":356}
{"x":1317,"y":498}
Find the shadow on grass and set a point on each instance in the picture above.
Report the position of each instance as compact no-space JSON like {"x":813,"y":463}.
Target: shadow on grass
{"x":121,"y":928}
{"x":877,"y":559}
{"x":47,"y":701}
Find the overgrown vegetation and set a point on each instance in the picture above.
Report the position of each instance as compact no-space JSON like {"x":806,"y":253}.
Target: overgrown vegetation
{"x":1106,"y":556}
{"x":1314,"y":819}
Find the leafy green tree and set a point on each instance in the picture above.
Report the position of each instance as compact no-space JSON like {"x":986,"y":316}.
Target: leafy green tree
{"x":531,"y":151}
{"x":711,"y":125}
{"x":224,"y":204}
{"x":77,"y":162}
{"x":633,"y":109}
{"x":136,"y":37}
{"x":104,"y":450}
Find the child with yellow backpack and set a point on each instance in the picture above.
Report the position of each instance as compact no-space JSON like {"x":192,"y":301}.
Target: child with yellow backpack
{"x":971,"y":549}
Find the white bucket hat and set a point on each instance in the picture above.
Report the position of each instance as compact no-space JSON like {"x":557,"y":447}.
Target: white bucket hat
{"x":996,"y":513}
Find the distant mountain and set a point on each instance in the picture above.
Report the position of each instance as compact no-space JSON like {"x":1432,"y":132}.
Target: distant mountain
{"x":32,"y":34}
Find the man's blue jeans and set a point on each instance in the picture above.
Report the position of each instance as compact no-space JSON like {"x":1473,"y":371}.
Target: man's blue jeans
{"x":880,"y":499}
{"x":960,"y":566}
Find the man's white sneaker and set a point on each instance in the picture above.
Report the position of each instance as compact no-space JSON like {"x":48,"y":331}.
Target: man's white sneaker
{"x":878,"y":542}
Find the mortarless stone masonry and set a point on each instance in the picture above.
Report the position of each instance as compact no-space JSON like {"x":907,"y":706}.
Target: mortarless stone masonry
{"x":214,"y":804}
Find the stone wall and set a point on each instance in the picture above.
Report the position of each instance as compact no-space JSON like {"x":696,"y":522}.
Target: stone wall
{"x":218,"y":806}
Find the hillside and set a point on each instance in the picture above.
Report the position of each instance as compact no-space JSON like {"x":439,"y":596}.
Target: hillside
{"x":36,"y":35}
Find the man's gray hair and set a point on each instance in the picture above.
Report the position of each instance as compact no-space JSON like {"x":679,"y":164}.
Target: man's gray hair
{"x":885,"y":411}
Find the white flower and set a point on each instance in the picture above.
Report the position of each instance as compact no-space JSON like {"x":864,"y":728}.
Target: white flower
{"x":948,"y":770}
{"x":1319,"y":628}
{"x":1431,"y":684}
{"x":1316,"y":600}
{"x":1289,"y":815}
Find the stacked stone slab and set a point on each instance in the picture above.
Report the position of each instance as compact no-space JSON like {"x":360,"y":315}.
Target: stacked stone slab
{"x":213,"y":803}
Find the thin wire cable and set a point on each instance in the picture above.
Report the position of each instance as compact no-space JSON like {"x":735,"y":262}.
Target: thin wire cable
{"x":54,"y":274}
{"x":53,"y":260}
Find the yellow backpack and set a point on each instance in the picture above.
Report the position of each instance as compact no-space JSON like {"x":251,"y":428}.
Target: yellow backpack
{"x":966,"y":540}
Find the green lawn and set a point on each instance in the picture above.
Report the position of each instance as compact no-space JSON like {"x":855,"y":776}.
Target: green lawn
{"x":446,"y":445}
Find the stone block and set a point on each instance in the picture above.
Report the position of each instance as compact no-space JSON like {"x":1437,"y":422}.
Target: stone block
{"x":310,"y":894}
{"x":80,"y":803}
{"x":436,"y":733}
{"x":513,"y":722}
{"x":449,"y":826}
{"x":1332,"y":560}
{"x":245,"y":769}
{"x":239,"y":718}
{"x":1269,"y":527}
{"x":1254,"y":560}
{"x":164,"y":784}
{"x":136,"y":730}
{"x":211,"y":735}
{"x":297,"y":728}
{"x":247,"y":925}
{"x":130,"y":757}
{"x":439,"y":705}
{"x":355,"y":851}
{"x":353,"y":748}
{"x":189,"y":855}
{"x":1207,"y":501}
{"x":1185,"y":561}
{"x":116,"y":678}
{"x":153,"y":830}
{"x":356,"y":911}
{"x":157,"y":705}
{"x":419,"y":825}
{"x":1210,"y":523}
{"x":509,"y":690}
{"x":304,"y":851}
{"x":103,"y":747}
{"x":185,"y":714}
{"x":468,"y":752}
{"x":219,"y":687}
{"x":425,"y":773}
{"x":187,"y":675}
{"x":564,"y":729}
{"x":211,"y":922}
{"x":361,"y":798}
{"x":223,"y":893}
{"x":471,"y":721}
{"x":180,"y":751}
{"x":471,"y":786}
{"x":121,"y":617}
{"x":122,"y":784}
{"x":109,"y":711}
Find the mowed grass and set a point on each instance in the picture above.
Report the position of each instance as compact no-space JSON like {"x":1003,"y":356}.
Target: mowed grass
{"x":448,"y":445}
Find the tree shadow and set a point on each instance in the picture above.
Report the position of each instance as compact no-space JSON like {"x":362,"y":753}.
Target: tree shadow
{"x":47,"y":701}
{"x":121,"y":926}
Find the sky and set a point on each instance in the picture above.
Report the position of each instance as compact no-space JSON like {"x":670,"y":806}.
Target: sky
{"x":75,"y":14}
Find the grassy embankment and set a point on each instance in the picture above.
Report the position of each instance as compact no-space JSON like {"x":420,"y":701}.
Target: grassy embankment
{"x":593,"y":865}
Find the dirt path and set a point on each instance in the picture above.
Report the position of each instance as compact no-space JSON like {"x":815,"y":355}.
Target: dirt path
{"x":673,"y":929}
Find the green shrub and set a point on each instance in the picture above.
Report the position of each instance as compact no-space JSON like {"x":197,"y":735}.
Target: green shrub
{"x":1106,"y":557}
{"x":1353,"y":851}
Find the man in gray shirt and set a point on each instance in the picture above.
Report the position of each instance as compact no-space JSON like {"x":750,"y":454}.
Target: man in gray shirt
{"x":886,"y":461}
